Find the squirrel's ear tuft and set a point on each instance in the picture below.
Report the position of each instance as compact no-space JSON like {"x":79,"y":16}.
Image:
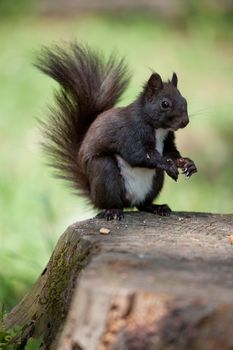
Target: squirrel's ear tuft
{"x":153,"y":85}
{"x":174,"y":79}
{"x":155,"y":82}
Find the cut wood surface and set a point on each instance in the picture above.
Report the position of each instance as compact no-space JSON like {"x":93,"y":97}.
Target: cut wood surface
{"x":146,"y":282}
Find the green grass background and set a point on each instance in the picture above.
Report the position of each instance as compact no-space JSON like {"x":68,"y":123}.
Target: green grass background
{"x":34,"y":208}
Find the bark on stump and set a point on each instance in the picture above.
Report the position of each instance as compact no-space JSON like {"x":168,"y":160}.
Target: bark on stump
{"x":152,"y":283}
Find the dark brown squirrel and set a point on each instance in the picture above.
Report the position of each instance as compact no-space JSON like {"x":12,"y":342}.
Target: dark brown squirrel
{"x":115,"y":156}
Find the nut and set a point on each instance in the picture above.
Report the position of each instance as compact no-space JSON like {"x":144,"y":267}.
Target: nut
{"x":231,"y":239}
{"x":104,"y":231}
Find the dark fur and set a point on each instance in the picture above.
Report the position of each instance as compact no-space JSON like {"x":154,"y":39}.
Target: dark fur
{"x":85,"y":133}
{"x":89,"y":86}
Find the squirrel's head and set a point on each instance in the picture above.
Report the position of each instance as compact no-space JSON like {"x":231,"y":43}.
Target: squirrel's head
{"x":163,"y":104}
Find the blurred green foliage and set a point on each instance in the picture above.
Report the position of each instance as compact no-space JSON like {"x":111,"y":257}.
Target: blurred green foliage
{"x":34,"y":208}
{"x":10,"y":339}
{"x":12,"y":8}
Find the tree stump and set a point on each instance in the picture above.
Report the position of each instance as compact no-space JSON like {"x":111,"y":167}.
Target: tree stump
{"x":150,"y":283}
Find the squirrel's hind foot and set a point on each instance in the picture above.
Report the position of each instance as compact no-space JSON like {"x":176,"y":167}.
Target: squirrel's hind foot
{"x":159,"y":209}
{"x":111,"y":214}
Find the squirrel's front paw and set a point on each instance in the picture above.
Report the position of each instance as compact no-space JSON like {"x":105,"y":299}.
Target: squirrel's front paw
{"x":187,"y":165}
{"x":171,"y":168}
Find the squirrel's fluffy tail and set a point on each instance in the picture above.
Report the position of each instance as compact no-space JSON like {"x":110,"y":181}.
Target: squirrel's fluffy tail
{"x":89,"y":85}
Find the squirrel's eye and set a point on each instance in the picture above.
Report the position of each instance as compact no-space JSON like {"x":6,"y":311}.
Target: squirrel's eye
{"x":165,"y":104}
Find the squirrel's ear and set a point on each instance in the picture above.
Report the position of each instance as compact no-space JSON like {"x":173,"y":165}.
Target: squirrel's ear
{"x":153,"y":85}
{"x":174,"y":79}
{"x":155,"y":82}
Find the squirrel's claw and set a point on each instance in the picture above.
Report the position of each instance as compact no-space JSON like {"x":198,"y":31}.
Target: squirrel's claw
{"x":171,"y":169}
{"x":187,"y":165}
{"x":111,"y":214}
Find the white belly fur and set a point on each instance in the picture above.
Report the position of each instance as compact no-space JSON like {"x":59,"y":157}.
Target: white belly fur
{"x":160,"y":135}
{"x":138,"y":181}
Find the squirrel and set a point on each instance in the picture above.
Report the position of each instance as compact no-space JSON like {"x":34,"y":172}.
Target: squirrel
{"x":114,"y":156}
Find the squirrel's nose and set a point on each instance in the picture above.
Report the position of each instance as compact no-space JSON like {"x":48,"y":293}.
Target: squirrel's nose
{"x":184,"y":121}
